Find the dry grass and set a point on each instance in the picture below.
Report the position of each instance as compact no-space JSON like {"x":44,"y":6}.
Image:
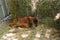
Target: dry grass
{"x":43,"y":30}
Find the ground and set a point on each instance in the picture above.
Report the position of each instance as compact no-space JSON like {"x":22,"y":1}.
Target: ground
{"x":41,"y":32}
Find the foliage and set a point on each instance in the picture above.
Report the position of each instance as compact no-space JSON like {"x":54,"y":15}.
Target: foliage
{"x":20,"y":7}
{"x":48,"y":8}
{"x":12,"y":8}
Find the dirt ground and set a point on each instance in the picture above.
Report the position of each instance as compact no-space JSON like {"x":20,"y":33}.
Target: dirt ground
{"x":42,"y":32}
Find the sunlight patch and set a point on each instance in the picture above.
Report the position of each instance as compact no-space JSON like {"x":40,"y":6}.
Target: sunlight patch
{"x":24,"y":35}
{"x":37,"y":35}
{"x":34,"y":4}
{"x":57,"y":16}
{"x":48,"y":33}
{"x":10,"y":36}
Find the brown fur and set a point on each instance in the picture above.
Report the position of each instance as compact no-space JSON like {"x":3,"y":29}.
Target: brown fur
{"x":24,"y":22}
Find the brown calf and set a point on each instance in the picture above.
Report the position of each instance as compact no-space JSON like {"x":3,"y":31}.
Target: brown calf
{"x":24,"y":22}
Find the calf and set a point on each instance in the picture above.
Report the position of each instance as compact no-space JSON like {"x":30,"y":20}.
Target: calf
{"x":24,"y":22}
